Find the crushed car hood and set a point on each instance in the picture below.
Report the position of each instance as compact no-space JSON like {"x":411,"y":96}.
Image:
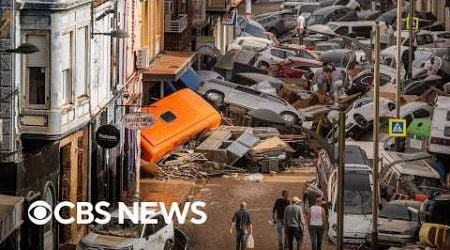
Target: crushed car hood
{"x":94,"y":239}
{"x":396,"y":226}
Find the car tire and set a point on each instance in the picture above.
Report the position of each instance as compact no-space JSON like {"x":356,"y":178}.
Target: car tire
{"x":289,"y":117}
{"x":361,"y":121}
{"x":215,"y":97}
{"x":169,"y":245}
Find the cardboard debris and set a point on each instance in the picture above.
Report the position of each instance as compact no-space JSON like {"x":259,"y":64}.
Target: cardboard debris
{"x":271,"y":144}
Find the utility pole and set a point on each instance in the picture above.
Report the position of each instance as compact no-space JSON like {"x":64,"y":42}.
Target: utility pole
{"x":411,"y":37}
{"x":376,"y":132}
{"x":399,"y":65}
{"x":248,"y":8}
{"x":341,"y":179}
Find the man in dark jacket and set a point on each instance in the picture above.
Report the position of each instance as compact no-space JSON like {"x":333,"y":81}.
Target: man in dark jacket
{"x":405,"y":60}
{"x":241,"y":221}
{"x":278,"y":216}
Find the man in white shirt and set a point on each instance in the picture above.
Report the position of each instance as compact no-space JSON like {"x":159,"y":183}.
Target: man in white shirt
{"x":316,"y":218}
{"x":300,"y":28}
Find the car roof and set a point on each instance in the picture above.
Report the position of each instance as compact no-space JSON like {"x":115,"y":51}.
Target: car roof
{"x":355,"y":157}
{"x":328,"y":9}
{"x":260,"y":77}
{"x":417,"y":168}
{"x":355,"y":23}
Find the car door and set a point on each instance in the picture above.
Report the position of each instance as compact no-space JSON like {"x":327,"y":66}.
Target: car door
{"x":245,"y":97}
{"x":157,"y":234}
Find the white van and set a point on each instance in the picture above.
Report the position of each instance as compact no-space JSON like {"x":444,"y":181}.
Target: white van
{"x":359,"y":28}
{"x":128,"y":235}
{"x":358,"y":191}
{"x":439,"y":141}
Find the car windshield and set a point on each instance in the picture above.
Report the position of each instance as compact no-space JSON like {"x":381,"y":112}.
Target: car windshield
{"x":398,"y":212}
{"x":255,"y":30}
{"x":357,"y":193}
{"x":126,"y":230}
{"x":314,"y":19}
{"x":421,"y":181}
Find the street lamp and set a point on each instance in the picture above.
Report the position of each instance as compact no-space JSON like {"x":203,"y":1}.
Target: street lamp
{"x":24,"y":48}
{"x":115,"y":34}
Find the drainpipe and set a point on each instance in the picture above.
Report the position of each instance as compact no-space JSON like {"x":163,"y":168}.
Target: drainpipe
{"x":248,"y":8}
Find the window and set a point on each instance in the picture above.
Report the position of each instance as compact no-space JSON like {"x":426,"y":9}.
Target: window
{"x":363,"y":31}
{"x":152,"y":26}
{"x":447,"y":131}
{"x":424,"y":39}
{"x":444,"y":35}
{"x":448,"y":115}
{"x":151,"y":229}
{"x":36,"y":84}
{"x":343,"y":30}
{"x":82,"y":55}
{"x":421,"y":113}
{"x":66,"y":67}
{"x":384,"y":79}
{"x":278,"y":53}
{"x":168,"y":116}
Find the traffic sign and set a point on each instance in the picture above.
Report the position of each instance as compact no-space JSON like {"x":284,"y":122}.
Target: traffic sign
{"x":107,"y":136}
{"x":414,"y":25}
{"x":397,"y":127}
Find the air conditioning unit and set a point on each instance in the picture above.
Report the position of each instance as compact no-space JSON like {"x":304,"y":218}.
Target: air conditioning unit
{"x":143,"y":58}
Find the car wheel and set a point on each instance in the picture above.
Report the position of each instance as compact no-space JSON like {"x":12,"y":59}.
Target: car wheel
{"x":361,"y":120}
{"x":289,"y":117}
{"x":169,"y":245}
{"x":215,"y":97}
{"x":264,"y":66}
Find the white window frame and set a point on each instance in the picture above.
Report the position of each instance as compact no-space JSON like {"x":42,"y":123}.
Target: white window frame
{"x":26,"y":75}
{"x":70,"y":69}
{"x":87,"y":70}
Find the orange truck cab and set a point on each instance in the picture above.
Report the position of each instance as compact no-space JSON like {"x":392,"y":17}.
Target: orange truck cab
{"x":179,"y":117}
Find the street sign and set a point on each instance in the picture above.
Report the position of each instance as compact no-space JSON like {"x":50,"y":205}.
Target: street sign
{"x":138,"y":120}
{"x":229,"y":18}
{"x":397,"y":127}
{"x":412,"y":25}
{"x":107,"y":136}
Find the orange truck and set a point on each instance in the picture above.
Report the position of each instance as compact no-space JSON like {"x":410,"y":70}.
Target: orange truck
{"x":179,"y":117}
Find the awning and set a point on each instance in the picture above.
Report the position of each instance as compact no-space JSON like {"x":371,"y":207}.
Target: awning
{"x":168,"y":66}
{"x":11,"y":208}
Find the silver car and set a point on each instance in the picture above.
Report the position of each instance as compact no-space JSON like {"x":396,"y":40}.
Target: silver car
{"x":220,"y":92}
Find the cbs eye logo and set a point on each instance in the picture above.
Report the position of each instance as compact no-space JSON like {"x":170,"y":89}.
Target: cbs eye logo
{"x":40,"y":212}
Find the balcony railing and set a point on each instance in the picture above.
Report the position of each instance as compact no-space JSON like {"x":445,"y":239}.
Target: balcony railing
{"x":176,"y":25}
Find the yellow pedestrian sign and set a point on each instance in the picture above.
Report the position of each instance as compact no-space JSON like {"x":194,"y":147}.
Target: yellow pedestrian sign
{"x":412,"y":24}
{"x":397,"y":127}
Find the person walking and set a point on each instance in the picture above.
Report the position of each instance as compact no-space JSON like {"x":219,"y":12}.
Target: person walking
{"x":316,"y":219}
{"x":294,"y":223}
{"x":300,"y":28}
{"x":278,"y":217}
{"x":405,"y":60}
{"x":241,"y":221}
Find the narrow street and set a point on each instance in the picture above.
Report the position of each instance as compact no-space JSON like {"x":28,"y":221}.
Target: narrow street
{"x":223,"y":196}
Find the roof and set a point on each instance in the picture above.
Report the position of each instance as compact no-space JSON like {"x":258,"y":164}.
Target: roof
{"x":168,"y":66}
{"x":417,"y":168}
{"x":409,"y":108}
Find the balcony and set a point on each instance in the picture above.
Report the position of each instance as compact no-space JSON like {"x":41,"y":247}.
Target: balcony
{"x":176,"y":32}
{"x":177,"y":24}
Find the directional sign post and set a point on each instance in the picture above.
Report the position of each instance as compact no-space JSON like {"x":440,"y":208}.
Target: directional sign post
{"x":397,"y":127}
